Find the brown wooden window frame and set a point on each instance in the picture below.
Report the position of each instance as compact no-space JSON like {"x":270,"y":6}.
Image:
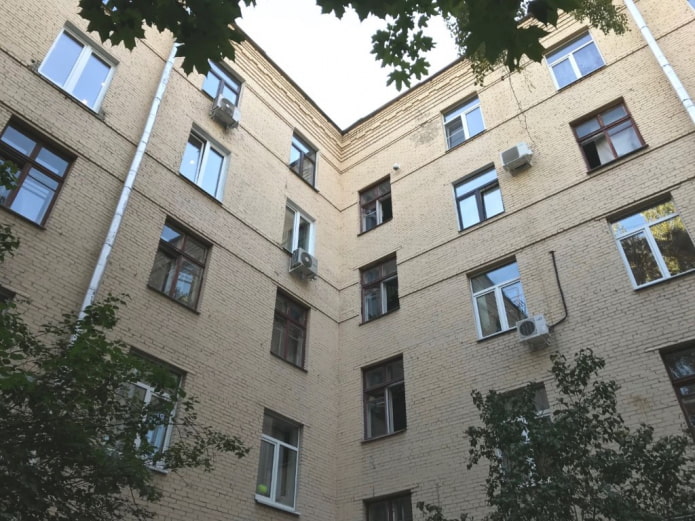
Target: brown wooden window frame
{"x":390,"y":503}
{"x":373,"y":201}
{"x":390,"y":380}
{"x":288,"y":321}
{"x":379,"y":282}
{"x":679,"y":382}
{"x":306,"y":156}
{"x":28,"y":162}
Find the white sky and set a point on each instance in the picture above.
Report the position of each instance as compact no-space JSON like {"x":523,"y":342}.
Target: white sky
{"x":329,"y":58}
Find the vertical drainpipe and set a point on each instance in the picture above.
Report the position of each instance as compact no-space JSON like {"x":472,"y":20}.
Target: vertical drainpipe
{"x":106,"y":248}
{"x":671,"y":75}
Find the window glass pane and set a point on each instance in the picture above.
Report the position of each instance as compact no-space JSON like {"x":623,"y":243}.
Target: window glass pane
{"x":624,"y":138}
{"x":369,"y":195}
{"x":295,"y":344}
{"x":307,"y":172}
{"x":172,"y":236}
{"x":371,"y":274}
{"x":613,"y":114}
{"x":457,"y":112}
{"x":162,"y":272}
{"x":492,"y":200}
{"x":395,"y":370}
{"x":296,"y":312}
{"x":378,"y":511}
{"x":287,"y":470}
{"x":640,"y":258}
{"x":52,"y":162}
{"x":454,"y":133}
{"x":288,"y":229}
{"x":476,"y":182}
{"x":376,"y":415}
{"x":372,"y":303}
{"x":488,"y":314}
{"x":190,"y":163}
{"x":391,"y":289}
{"x":675,"y":245}
{"x":468,"y":210}
{"x":213,"y":172}
{"x":34,"y":196}
{"x":18,"y":141}
{"x":474,"y":120}
{"x":60,"y":62}
{"x":564,"y":73}
{"x":276,"y":343}
{"x":369,"y":217}
{"x":386,"y":210}
{"x":374,"y":377}
{"x":188,"y":283}
{"x":688,"y":401}
{"x":497,"y":276}
{"x":398,"y":407}
{"x":295,"y":155}
{"x":389,"y":267}
{"x":680,"y":364}
{"x":157,"y":436}
{"x":231,"y":94}
{"x":598,"y":151}
{"x":402,"y":510}
{"x":211,"y":84}
{"x":280,"y":430}
{"x":588,"y":59}
{"x":514,"y":303}
{"x":566,"y":49}
{"x":265,"y":469}
{"x":92,"y":81}
{"x":304,"y":233}
{"x":195,"y":249}
{"x":587,"y":127}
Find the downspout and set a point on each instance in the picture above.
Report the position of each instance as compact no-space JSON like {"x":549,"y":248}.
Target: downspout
{"x":671,"y":75}
{"x":107,"y":247}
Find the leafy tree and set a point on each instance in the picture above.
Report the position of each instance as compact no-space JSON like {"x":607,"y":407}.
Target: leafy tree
{"x":488,"y":32}
{"x":76,"y":443}
{"x":583,"y":464}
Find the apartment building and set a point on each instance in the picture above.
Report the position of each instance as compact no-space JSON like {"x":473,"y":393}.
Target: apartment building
{"x":333,"y":296}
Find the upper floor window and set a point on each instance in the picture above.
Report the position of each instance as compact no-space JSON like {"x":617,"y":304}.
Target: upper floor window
{"x":375,"y":205}
{"x":379,"y":289}
{"x":78,"y":69}
{"x":463,"y":122}
{"x":478,"y":198}
{"x":277,"y":466}
{"x":179,"y":265}
{"x":204,"y":164}
{"x":384,"y":399}
{"x":303,"y":160}
{"x":289,"y":330}
{"x":218,"y":82}
{"x":498,"y":299}
{"x":607,"y":136}
{"x":681,"y":369}
{"x":42,"y":170}
{"x":298,"y":230}
{"x":394,"y":508}
{"x":654,"y":244}
{"x":574,"y":60}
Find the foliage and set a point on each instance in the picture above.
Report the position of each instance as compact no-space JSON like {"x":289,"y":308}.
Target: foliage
{"x":586,"y":464}
{"x":488,"y":32}
{"x":8,"y":240}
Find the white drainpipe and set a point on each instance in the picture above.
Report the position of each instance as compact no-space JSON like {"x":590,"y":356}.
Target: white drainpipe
{"x":106,"y":248}
{"x":671,"y":75}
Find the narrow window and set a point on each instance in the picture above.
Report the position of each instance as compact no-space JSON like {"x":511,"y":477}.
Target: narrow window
{"x":498,"y":300}
{"x":277,"y":466}
{"x":220,"y":83}
{"x":394,"y":508}
{"x":303,"y":160}
{"x":289,"y":330}
{"x":78,"y":69}
{"x":574,"y":60}
{"x":179,"y":265}
{"x":203,"y":163}
{"x":384,"y":399}
{"x":478,"y":198}
{"x":41,"y":172}
{"x":379,"y":289}
{"x":681,"y":369}
{"x":463,"y":122}
{"x":298,"y":230}
{"x":607,"y":136}
{"x":375,"y":205}
{"x":654,"y":244}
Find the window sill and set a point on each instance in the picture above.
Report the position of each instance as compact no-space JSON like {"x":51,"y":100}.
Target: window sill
{"x":299,"y":367}
{"x":262,"y":500}
{"x":380,"y":316}
{"x":383,"y":436}
{"x":313,"y":187}
{"x":374,"y":228}
{"x":613,"y":162}
{"x":451,"y":149}
{"x":192,"y":310}
{"x":207,"y":194}
{"x":664,"y":280}
{"x":578,"y":79}
{"x":498,"y":334}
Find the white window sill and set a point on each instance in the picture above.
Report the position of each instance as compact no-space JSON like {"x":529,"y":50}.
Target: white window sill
{"x":272,"y":504}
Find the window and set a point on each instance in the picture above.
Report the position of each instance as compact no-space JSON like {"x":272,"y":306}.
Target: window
{"x":6,"y":295}
{"x":574,"y":60}
{"x":220,"y":83}
{"x":179,"y":265}
{"x":144,"y":393}
{"x":42,"y":170}
{"x":204,"y":164}
{"x":498,"y":300}
{"x":289,"y":330}
{"x":375,"y":205}
{"x":606,"y":136}
{"x":298,"y":231}
{"x":303,"y":160}
{"x":277,"y":468}
{"x":464,"y":122}
{"x":681,"y":369}
{"x":379,"y":289}
{"x":78,"y":69}
{"x":384,"y":399}
{"x":478,"y":198}
{"x":654,"y":244}
{"x":396,"y":508}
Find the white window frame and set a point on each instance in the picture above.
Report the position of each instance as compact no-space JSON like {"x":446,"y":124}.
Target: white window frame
{"x":461,"y":112}
{"x":149,"y":393}
{"x":651,"y":242}
{"x":78,"y":68}
{"x":298,"y":215}
{"x":499,"y":300}
{"x":478,"y":191}
{"x":387,"y":390}
{"x":311,"y":154}
{"x":276,"y":471}
{"x":208,"y":145}
{"x":224,"y":78}
{"x":558,"y":56}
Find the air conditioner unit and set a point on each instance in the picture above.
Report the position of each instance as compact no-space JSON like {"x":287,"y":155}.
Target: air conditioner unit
{"x":225,"y":112}
{"x":533,"y":330}
{"x":303,"y":264}
{"x":517,"y":157}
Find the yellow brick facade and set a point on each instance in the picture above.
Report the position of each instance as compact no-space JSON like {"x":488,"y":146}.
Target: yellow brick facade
{"x":223,"y":346}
